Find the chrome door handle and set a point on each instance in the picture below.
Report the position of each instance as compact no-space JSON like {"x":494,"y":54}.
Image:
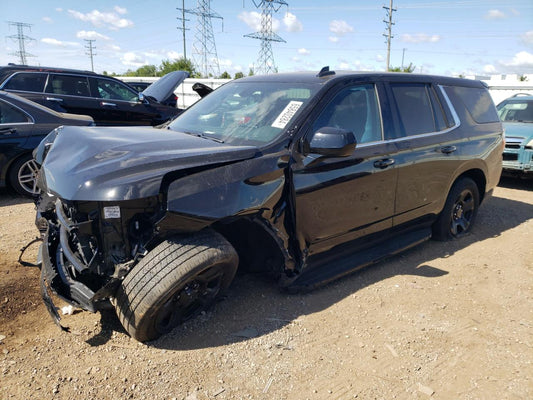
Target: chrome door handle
{"x":104,"y":103}
{"x":54,"y":99}
{"x":382,"y":164}
{"x":448,"y":149}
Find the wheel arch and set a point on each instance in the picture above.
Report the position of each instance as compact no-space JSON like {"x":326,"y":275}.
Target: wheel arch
{"x":478,"y":176}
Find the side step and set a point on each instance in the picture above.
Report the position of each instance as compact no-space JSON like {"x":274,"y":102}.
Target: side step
{"x":333,"y":266}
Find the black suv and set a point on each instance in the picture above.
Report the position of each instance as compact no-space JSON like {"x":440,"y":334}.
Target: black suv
{"x":107,"y":100}
{"x":303,"y":176}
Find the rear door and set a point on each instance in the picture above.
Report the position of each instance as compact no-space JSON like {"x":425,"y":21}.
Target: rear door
{"x":70,"y":93}
{"x":340,"y":199}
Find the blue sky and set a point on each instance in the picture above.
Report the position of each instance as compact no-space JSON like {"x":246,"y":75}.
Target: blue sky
{"x":470,"y":37}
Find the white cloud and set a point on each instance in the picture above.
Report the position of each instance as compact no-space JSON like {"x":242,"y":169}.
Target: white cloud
{"x":304,"y":51}
{"x":344,"y":65}
{"x":522,"y":59}
{"x":114,"y":47}
{"x":110,"y":19}
{"x":48,"y":19}
{"x":420,"y":38}
{"x":253,"y":20}
{"x":59,"y":9}
{"x":59,"y":43}
{"x":489,"y":69}
{"x":173,"y":55}
{"x":292,"y":23}
{"x":133,"y":60}
{"x":120,"y":10}
{"x":340,"y":27}
{"x":91,"y":35}
{"x":494,"y":14}
{"x":527,"y":37}
{"x":333,"y":39}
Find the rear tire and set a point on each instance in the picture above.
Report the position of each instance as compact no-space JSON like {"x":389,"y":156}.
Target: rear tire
{"x":23,"y":176}
{"x":459,"y":212}
{"x":174,"y":282}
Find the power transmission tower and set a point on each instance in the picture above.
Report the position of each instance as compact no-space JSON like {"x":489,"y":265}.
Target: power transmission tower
{"x":90,"y":48}
{"x":265,"y":62}
{"x":21,"y":38}
{"x":204,"y":50}
{"x":389,"y":35}
{"x":182,"y":19}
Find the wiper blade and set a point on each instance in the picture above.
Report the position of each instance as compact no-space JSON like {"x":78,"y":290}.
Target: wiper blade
{"x":204,"y":136}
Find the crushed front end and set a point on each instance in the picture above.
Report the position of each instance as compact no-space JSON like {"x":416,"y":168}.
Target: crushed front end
{"x":88,"y":247}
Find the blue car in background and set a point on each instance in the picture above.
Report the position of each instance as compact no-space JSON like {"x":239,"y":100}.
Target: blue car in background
{"x":516,"y":114}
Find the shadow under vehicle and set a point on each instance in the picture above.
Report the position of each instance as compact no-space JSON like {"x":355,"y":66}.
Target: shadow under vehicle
{"x":305,"y":177}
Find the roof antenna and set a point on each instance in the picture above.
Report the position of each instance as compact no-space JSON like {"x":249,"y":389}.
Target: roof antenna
{"x":325,"y":72}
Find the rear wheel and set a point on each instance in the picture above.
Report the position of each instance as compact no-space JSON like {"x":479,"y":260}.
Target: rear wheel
{"x":459,"y":212}
{"x":23,"y":176}
{"x":174,"y":282}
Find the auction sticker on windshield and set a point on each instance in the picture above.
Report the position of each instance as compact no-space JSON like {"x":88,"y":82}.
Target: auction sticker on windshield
{"x":288,"y":112}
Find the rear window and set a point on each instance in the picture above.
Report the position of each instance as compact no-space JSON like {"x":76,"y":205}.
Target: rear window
{"x":478,"y":103}
{"x":26,"y":81}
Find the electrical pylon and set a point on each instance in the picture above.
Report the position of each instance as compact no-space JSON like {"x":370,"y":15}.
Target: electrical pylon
{"x":204,"y":50}
{"x":265,"y":62}
{"x":21,"y":38}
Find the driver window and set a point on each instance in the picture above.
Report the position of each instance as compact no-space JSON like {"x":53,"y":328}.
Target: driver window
{"x":111,"y":90}
{"x":354,"y":109}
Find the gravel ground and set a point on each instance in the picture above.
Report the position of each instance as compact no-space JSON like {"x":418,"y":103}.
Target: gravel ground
{"x":443,"y":320}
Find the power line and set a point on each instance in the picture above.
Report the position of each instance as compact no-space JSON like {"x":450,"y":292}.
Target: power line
{"x":182,"y":19}
{"x":265,"y":62}
{"x":90,"y":48}
{"x":22,"y":39}
{"x":389,"y":35}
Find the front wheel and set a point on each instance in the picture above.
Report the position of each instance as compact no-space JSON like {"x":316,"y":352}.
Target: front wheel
{"x":174,"y":282}
{"x":459,"y":212}
{"x":23,"y":176}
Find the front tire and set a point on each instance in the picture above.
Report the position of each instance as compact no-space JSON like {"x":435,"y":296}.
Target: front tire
{"x":174,"y":282}
{"x":459,"y":212}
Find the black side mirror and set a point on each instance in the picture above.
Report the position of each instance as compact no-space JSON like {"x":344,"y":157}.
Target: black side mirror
{"x":331,"y":142}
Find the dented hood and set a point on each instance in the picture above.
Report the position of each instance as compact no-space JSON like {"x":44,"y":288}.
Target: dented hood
{"x":125,"y":163}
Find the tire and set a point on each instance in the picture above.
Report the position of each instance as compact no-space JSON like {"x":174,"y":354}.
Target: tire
{"x":174,"y":282}
{"x":23,"y":176}
{"x":459,"y":212}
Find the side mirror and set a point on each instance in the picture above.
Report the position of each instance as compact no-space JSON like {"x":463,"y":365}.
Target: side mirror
{"x":142,"y":98}
{"x":331,"y":142}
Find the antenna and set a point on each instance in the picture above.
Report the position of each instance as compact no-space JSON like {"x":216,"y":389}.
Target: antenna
{"x":265,"y":62}
{"x":21,"y":38}
{"x":204,"y":50}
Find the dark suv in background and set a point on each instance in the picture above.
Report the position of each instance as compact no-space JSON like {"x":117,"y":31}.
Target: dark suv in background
{"x":303,"y":176}
{"x":107,"y":100}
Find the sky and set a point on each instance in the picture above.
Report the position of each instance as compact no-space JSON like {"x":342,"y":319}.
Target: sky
{"x":468,"y":37}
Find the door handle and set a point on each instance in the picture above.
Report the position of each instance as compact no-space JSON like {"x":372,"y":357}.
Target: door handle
{"x":105,"y":103}
{"x":54,"y":99}
{"x":382,"y":164}
{"x":448,"y":149}
{"x":7,"y":131}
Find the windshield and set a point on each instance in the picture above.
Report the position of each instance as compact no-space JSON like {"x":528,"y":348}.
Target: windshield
{"x":251,"y":113}
{"x":516,"y":111}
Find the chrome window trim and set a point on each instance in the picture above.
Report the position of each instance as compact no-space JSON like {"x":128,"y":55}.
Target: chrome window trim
{"x":457,"y":121}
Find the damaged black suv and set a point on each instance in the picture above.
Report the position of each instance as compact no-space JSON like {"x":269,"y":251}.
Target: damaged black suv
{"x":303,"y":176}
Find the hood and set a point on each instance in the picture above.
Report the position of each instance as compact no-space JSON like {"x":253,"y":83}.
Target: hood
{"x":125,"y":163}
{"x":165,"y":86}
{"x":518,"y":130}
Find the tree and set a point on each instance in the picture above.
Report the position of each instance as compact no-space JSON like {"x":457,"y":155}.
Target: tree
{"x":225,"y":75}
{"x":238,"y":75}
{"x":180,"y":64}
{"x":410,"y":68}
{"x":147,"y":70}
{"x":251,"y":72}
{"x":522,"y":78}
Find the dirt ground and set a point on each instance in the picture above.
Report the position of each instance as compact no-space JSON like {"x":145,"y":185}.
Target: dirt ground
{"x":444,"y":321}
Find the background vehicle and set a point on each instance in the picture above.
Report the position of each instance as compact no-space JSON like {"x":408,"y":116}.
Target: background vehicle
{"x":303,"y":176}
{"x":171,"y":101}
{"x":23,"y":124}
{"x":516,"y":114}
{"x":107,"y":100}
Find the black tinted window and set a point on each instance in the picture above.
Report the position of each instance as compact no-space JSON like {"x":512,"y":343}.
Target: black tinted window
{"x":478,"y":103}
{"x":108,"y":89}
{"x":414,"y":107}
{"x":356,"y":110}
{"x":68,"y":84}
{"x":11,"y":115}
{"x":26,"y":81}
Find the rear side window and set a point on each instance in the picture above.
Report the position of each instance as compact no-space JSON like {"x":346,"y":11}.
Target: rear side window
{"x":11,"y":115}
{"x":26,"y":81}
{"x":478,"y":103}
{"x":418,"y":108}
{"x":68,"y":84}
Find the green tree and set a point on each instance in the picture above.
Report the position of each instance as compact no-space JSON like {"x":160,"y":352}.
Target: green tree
{"x":146,"y":70}
{"x":522,"y":78}
{"x":251,"y":72}
{"x":410,"y":68}
{"x":225,"y":75}
{"x":238,"y":75}
{"x":180,"y":64}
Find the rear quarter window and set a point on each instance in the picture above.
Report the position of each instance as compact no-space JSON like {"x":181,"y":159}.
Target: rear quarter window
{"x":477,"y":102}
{"x":27,"y":82}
